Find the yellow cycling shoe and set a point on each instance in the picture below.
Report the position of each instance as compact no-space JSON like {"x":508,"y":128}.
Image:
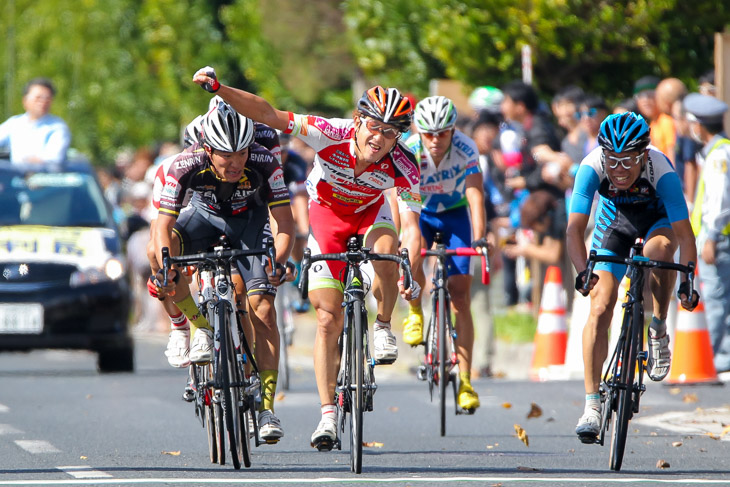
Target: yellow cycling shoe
{"x":467,"y":399}
{"x":413,"y":329}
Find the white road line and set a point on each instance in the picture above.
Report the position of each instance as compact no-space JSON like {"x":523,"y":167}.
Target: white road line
{"x":37,"y":446}
{"x":368,"y":480}
{"x":4,"y":408}
{"x":84,"y":472}
{"x":7,"y":429}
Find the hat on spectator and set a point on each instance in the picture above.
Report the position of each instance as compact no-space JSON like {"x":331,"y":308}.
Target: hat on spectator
{"x":707,"y":109}
{"x":646,"y":83}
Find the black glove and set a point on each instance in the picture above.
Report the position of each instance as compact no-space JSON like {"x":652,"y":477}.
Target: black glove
{"x":215,"y":85}
{"x":482,"y":242}
{"x":581,"y":278}
{"x":684,"y":289}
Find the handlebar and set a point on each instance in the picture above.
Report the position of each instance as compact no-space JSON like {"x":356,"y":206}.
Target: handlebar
{"x":462,"y":251}
{"x":360,"y":255}
{"x":639,"y":261}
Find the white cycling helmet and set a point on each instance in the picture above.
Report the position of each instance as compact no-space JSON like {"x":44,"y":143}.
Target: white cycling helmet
{"x":486,"y":98}
{"x":214,"y":102}
{"x":434,"y":114}
{"x":193,"y":131}
{"x":226,"y":130}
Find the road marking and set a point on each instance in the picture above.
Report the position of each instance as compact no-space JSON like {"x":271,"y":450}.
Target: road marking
{"x":84,"y":472}
{"x":361,"y":480}
{"x":6,"y":429}
{"x":703,"y":422}
{"x":4,"y":408}
{"x":37,"y":446}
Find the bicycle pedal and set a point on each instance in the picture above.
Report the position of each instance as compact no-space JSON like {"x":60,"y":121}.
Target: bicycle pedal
{"x":588,"y":439}
{"x":468,"y":412}
{"x":271,"y":441}
{"x":323,"y":444}
{"x":384,"y":361}
{"x":421,"y":372}
{"x":188,"y":395}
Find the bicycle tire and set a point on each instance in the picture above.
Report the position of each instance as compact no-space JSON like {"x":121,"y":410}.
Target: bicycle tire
{"x":442,"y":358}
{"x":431,"y":348}
{"x":229,"y":393}
{"x":624,"y":407}
{"x":357,"y":374}
{"x":220,"y":430}
{"x":210,"y":426}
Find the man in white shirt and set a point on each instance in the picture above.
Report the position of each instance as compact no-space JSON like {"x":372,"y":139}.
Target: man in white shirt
{"x":36,"y":137}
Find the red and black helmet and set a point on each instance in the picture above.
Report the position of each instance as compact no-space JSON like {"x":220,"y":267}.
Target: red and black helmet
{"x":387,"y":106}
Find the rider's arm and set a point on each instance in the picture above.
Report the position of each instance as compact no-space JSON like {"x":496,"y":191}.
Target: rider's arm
{"x":411,"y":236}
{"x":574,"y":240}
{"x":686,"y":239}
{"x":284,"y":240}
{"x":248,"y":104}
{"x":669,"y":190}
{"x":475,"y":196}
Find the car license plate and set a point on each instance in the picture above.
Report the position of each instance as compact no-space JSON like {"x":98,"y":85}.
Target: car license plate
{"x":26,"y":318}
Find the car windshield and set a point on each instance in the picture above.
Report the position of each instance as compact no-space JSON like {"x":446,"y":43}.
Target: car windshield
{"x":52,"y":199}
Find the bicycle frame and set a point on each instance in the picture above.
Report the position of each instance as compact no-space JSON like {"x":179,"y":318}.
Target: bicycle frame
{"x":355,"y":388}
{"x":623,"y":380}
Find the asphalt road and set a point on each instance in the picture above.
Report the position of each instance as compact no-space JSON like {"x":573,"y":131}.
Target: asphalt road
{"x":61,"y":423}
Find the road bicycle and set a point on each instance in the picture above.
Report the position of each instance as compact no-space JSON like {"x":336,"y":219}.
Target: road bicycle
{"x":355,"y":379}
{"x":623,"y":380}
{"x":227,"y":391}
{"x":440,"y":356}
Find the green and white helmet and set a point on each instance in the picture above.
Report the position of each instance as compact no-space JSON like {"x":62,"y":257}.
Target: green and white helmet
{"x":434,"y":114}
{"x":486,"y":98}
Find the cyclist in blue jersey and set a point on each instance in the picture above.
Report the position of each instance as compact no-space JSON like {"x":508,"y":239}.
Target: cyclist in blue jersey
{"x":640,"y":196}
{"x":453,"y":204}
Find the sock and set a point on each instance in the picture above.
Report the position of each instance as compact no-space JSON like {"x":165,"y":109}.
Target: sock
{"x":593,"y":401}
{"x":657,"y":327}
{"x":179,"y":322}
{"x":415,"y":307}
{"x":268,"y":389}
{"x":465,"y":378}
{"x":379,"y":324}
{"x":328,"y":412}
{"x":197,"y":320}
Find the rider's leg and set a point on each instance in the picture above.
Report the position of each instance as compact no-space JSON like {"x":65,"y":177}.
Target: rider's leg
{"x":383,"y":240}
{"x":413,"y":324}
{"x":460,"y":292}
{"x":661,"y":245}
{"x":327,"y":306}
{"x":263,"y":319}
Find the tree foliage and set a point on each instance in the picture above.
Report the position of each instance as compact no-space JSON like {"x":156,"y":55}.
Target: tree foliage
{"x":123,"y":68}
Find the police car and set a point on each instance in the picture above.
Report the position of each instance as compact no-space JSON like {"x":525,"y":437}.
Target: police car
{"x":62,"y":279}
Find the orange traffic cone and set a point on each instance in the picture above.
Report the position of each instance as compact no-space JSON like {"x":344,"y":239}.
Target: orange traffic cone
{"x":692,"y":354}
{"x":551,"y":338}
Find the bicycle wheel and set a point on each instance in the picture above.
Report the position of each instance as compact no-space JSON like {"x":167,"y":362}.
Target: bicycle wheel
{"x":220,"y":428}
{"x":357,"y":375}
{"x":443,"y":356}
{"x":624,"y":394}
{"x":431,"y":348}
{"x":230,"y":396}
{"x":204,"y":374}
{"x":246,"y":434}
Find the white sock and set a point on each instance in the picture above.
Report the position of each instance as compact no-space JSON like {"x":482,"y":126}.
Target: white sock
{"x":379,"y":324}
{"x":328,"y":412}
{"x":593,"y":401}
{"x":179,"y":322}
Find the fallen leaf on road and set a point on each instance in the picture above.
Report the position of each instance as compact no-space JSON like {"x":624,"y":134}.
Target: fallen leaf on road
{"x":280,"y":396}
{"x":83,"y":457}
{"x":393,"y":409}
{"x":173,"y":453}
{"x":528,"y":469}
{"x":703,"y":450}
{"x":489,"y":447}
{"x":653,"y":433}
{"x":522,"y":435}
{"x":713,"y":436}
{"x":676,"y":443}
{"x":690,"y":398}
{"x":662,"y":464}
{"x":372,"y":444}
{"x":506,"y":405}
{"x":535,"y":411}
{"x":725,"y":431}
{"x":674,"y":391}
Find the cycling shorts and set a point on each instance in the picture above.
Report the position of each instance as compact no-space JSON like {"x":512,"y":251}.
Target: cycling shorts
{"x":455,"y":227}
{"x":329,"y":233}
{"x":617,"y":229}
{"x":199,"y":228}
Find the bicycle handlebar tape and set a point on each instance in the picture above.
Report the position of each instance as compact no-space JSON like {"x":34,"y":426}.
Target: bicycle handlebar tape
{"x":692,"y":354}
{"x":551,"y":339}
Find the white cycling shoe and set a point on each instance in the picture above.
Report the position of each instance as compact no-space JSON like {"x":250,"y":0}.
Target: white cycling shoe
{"x":660,"y":358}
{"x":589,"y":426}
{"x":178,"y":348}
{"x":324,"y":437}
{"x":385,"y":349}
{"x":270,"y":430}
{"x":201,"y":348}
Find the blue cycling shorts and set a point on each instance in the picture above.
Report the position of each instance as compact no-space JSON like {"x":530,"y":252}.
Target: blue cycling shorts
{"x":455,"y":226}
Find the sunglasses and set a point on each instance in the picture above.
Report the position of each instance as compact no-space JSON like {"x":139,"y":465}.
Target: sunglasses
{"x":586,"y":113}
{"x":387,"y":132}
{"x":620,"y":160}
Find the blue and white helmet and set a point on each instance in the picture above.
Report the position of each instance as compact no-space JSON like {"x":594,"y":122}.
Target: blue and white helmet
{"x":226,"y":130}
{"x":624,"y":132}
{"x":434,"y":114}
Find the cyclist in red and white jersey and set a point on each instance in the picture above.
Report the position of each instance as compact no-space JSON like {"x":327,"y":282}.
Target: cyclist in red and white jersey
{"x":357,"y":160}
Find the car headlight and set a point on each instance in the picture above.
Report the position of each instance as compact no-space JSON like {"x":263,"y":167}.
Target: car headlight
{"x":112,"y":270}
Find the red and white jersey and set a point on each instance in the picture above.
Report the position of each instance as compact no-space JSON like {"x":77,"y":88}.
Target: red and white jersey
{"x":159,"y":183}
{"x":332,"y":181}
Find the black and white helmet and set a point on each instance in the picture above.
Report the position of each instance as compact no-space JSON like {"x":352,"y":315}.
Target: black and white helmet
{"x":226,"y":130}
{"x":434,"y":114}
{"x":193,"y":132}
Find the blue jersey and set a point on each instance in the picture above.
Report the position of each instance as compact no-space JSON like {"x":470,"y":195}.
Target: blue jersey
{"x":443,"y":188}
